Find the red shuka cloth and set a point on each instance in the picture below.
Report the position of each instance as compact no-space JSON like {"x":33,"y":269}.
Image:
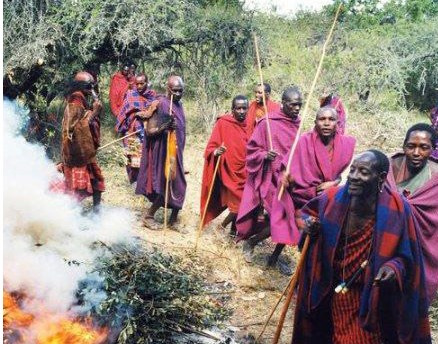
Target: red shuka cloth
{"x":118,"y":87}
{"x":257,"y":111}
{"x":311,"y":165}
{"x":231,"y":175}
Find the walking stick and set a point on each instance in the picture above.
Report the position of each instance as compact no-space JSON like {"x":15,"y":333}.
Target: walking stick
{"x":268,"y":126}
{"x":312,"y":88}
{"x":204,"y":213}
{"x":167,"y":164}
{"x":293,"y":283}
{"x":120,"y":139}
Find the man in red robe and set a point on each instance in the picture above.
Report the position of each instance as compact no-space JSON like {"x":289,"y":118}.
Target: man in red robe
{"x":227,"y":141}
{"x":263,"y":166}
{"x":120,"y":83}
{"x":256,"y":109}
{"x":80,"y":140}
{"x":321,"y":156}
{"x":130,"y":120}
{"x":415,"y":174}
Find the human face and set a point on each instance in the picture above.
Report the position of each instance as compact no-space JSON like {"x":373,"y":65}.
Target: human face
{"x":363,"y":178}
{"x":292,"y":104}
{"x":140,"y":84}
{"x":417,"y":149}
{"x":177,"y":90}
{"x":131,"y":70}
{"x":240,"y":109}
{"x":325,"y":124}
{"x":258,"y":93}
{"x":125,"y":71}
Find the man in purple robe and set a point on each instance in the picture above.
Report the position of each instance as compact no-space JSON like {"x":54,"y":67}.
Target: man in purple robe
{"x":263,"y":165}
{"x":130,"y":120}
{"x":151,"y":180}
{"x":415,"y":175}
{"x":321,"y":156}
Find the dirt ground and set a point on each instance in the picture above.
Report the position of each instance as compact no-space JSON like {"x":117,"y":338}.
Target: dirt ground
{"x":251,"y":289}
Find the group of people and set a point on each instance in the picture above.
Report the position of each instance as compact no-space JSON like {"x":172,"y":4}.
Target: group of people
{"x":371,"y":269}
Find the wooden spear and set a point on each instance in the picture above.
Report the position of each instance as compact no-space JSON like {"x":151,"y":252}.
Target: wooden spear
{"x":293,"y":284}
{"x":312,"y":88}
{"x":265,"y":106}
{"x":167,"y":163}
{"x":120,"y":139}
{"x":204,"y":213}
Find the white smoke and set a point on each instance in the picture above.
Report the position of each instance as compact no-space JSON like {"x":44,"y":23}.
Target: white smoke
{"x":48,"y":244}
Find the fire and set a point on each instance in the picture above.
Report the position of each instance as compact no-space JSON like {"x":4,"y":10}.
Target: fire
{"x":46,"y":328}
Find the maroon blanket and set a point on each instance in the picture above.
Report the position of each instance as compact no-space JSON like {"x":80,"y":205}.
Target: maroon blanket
{"x":311,"y":165}
{"x":261,"y":184}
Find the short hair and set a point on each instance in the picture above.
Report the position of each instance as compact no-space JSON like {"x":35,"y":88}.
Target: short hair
{"x":289,"y":90}
{"x":422,"y":127}
{"x":128,"y":63}
{"x":238,"y":97}
{"x":382,"y":160}
{"x":326,"y":108}
{"x":266,"y":86}
{"x":141,"y":75}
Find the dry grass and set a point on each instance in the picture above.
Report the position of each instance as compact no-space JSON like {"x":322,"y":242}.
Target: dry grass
{"x":253,"y":289}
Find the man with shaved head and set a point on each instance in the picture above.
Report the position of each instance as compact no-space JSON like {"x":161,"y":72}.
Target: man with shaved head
{"x":162,"y":154}
{"x":131,"y":119}
{"x":81,"y":138}
{"x":320,"y":157}
{"x":363,"y":277}
{"x":263,"y":164}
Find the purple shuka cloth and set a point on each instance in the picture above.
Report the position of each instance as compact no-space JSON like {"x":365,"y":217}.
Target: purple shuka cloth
{"x":151,"y":181}
{"x":261,"y":183}
{"x":311,"y":165}
{"x":336,"y":102}
{"x":424,"y":205}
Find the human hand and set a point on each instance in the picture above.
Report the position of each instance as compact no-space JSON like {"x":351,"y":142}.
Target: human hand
{"x":311,"y":226}
{"x":220,"y":150}
{"x":97,"y":106}
{"x":385,"y":274}
{"x":286,"y":180}
{"x":271,"y":155}
{"x":324,"y":186}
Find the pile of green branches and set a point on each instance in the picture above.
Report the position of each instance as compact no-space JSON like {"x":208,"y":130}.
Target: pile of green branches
{"x":148,"y":297}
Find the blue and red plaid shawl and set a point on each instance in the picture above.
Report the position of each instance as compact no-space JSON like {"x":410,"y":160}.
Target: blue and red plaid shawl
{"x":395,"y":243}
{"x":133,"y":102}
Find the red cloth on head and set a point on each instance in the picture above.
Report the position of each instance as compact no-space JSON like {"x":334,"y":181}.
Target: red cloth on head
{"x":231,"y":175}
{"x":257,"y":111}
{"x":118,"y":87}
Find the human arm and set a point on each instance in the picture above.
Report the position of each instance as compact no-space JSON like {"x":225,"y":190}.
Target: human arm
{"x":326,"y":185}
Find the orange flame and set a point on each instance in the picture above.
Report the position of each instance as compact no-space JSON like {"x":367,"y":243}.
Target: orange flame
{"x":48,"y":329}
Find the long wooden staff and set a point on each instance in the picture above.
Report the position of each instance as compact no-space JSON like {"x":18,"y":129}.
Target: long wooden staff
{"x":312,"y":88}
{"x":120,"y":139}
{"x":293,"y":284}
{"x":167,"y":164}
{"x":204,"y":213}
{"x":265,"y":106}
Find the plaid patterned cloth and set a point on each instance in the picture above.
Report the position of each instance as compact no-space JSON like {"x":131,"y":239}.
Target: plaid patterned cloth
{"x":133,"y":102}
{"x":395,"y":244}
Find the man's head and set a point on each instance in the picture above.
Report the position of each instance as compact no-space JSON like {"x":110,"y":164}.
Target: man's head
{"x":175,"y":87}
{"x":291,"y":101}
{"x":239,"y":107}
{"x":326,"y":122}
{"x":419,"y":143}
{"x":141,"y":82}
{"x":368,"y":172}
{"x":128,"y":68}
{"x":85,"y":82}
{"x":258,"y":92}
